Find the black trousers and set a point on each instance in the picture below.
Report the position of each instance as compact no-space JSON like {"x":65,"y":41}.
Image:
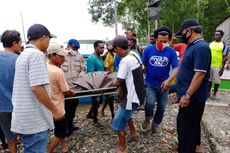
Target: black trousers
{"x":109,"y":100}
{"x":95,"y":106}
{"x":2,"y":137}
{"x":70,"y":109}
{"x":188,"y":127}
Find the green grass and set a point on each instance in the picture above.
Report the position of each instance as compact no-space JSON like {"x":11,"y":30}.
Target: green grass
{"x":225,"y":84}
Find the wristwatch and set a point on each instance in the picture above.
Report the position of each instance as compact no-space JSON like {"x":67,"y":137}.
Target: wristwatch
{"x":187,"y":96}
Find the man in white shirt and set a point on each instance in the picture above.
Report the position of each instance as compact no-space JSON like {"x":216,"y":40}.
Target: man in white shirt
{"x":130,"y":78}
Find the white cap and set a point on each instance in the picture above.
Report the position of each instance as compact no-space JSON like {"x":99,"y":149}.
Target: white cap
{"x":58,"y":49}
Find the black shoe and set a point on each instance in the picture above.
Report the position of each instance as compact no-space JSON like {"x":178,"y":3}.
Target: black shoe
{"x":75,"y":128}
{"x":69,"y":132}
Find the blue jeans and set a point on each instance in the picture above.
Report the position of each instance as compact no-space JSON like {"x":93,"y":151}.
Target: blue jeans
{"x":154,"y":95}
{"x":35,"y":143}
{"x":122,"y":116}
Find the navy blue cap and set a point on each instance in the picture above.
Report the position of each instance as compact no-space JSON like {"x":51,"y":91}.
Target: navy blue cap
{"x":186,"y":24}
{"x":74,"y":43}
{"x":38,"y":31}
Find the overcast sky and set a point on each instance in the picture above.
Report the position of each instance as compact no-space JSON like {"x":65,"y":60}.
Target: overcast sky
{"x":64,"y":18}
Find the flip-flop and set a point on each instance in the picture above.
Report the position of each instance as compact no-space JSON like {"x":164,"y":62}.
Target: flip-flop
{"x":71,"y":145}
{"x":7,"y":150}
{"x":145,"y":127}
{"x":131,"y":138}
{"x":116,"y":150}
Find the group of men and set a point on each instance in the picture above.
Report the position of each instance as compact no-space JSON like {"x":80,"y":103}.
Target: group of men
{"x":33,"y":91}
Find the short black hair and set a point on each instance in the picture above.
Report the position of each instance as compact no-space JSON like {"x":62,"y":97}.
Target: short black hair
{"x":9,"y":37}
{"x":97,"y":42}
{"x":163,"y":31}
{"x":221,"y":32}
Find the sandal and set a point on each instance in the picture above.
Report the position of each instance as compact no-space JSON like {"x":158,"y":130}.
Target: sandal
{"x":145,"y":126}
{"x":131,"y":138}
{"x":97,"y":124}
{"x":118,"y":150}
{"x":71,"y":145}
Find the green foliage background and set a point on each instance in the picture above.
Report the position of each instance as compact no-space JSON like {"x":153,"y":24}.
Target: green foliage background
{"x":134,"y":14}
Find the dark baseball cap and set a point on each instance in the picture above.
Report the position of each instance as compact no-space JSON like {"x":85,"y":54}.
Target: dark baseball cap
{"x":38,"y":31}
{"x":186,"y":24}
{"x":120,"y":41}
{"x":73,"y":42}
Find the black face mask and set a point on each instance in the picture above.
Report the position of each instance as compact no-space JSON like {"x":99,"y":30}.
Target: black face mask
{"x":184,"y":38}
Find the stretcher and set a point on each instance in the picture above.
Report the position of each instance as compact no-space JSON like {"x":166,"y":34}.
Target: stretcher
{"x":93,"y":93}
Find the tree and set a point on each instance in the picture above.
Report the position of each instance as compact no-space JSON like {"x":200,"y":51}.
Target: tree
{"x":172,"y":13}
{"x":215,"y":12}
{"x":133,"y":14}
{"x":130,"y":13}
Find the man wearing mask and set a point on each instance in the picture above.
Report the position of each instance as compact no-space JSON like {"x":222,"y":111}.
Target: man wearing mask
{"x":74,"y":68}
{"x":219,"y":52}
{"x":192,"y":86}
{"x":157,"y":60}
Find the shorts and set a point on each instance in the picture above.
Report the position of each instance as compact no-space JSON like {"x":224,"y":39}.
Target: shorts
{"x":60,"y":128}
{"x":5,"y":124}
{"x":214,"y":75}
{"x":121,"y":118}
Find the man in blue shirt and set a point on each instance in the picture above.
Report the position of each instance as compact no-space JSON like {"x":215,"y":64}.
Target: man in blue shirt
{"x":192,"y":86}
{"x":12,"y":43}
{"x":158,"y":59}
{"x":95,"y":63}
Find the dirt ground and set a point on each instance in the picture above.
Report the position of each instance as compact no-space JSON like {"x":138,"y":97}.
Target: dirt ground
{"x":215,"y":130}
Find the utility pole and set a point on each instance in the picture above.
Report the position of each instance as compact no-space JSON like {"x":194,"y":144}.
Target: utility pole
{"x":198,"y":9}
{"x":23,"y":30}
{"x":115,"y":17}
{"x":148,"y":19}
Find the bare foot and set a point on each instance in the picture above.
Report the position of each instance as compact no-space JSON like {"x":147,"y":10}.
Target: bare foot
{"x":132,"y":137}
{"x":97,"y":124}
{"x":119,"y":150}
{"x":199,"y":149}
{"x":65,"y":146}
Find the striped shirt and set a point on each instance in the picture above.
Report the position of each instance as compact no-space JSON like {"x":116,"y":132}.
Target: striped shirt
{"x":29,"y":116}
